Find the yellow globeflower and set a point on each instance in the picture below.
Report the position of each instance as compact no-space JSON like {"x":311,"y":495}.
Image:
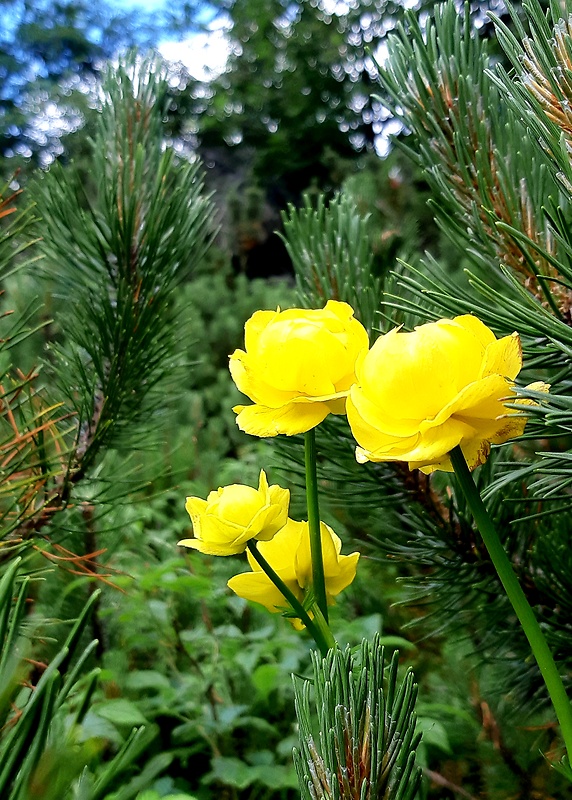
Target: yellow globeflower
{"x":297,"y":367}
{"x":418,"y":395}
{"x":289,"y":556}
{"x":229,"y":518}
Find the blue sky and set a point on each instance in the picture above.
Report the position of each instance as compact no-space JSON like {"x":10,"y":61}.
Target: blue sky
{"x":150,"y":5}
{"x":204,"y":54}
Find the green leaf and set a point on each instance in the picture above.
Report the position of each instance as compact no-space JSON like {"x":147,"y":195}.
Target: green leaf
{"x":143,"y":679}
{"x":277,"y":777}
{"x":120,"y":712}
{"x":154,"y":767}
{"x":266,"y":678}
{"x":434,"y":734}
{"x":232,"y":772}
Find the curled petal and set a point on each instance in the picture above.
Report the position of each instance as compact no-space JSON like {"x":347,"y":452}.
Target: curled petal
{"x":345,"y":574}
{"x":503,"y":357}
{"x":256,"y":586}
{"x":249,"y":381}
{"x":290,"y":419}
{"x":210,"y":548}
{"x":256,"y":325}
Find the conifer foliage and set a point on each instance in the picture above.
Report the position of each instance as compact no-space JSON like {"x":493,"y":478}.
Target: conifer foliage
{"x":114,"y":259}
{"x":114,"y":255}
{"x":365,"y":746}
{"x":494,"y":151}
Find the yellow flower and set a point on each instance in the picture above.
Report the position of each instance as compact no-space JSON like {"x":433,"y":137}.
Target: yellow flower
{"x":418,"y":395}
{"x":229,"y":518}
{"x":297,"y":367}
{"x":289,"y":556}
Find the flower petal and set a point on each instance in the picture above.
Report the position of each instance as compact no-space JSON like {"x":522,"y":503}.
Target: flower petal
{"x":248,"y":380}
{"x":280,"y":551}
{"x":477,"y":403}
{"x":211,"y":548}
{"x":338,"y":571}
{"x":297,"y":356}
{"x":345,"y":574}
{"x":258,"y":587}
{"x":476,"y":328}
{"x":291,"y":419}
{"x":233,"y":515}
{"x":363,"y":410}
{"x":419,"y":395}
{"x":407,"y":379}
{"x":503,"y":357}
{"x":255,"y":327}
{"x":195,"y":506}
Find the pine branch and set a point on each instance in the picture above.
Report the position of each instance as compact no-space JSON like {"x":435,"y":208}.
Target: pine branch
{"x":366,"y":743}
{"x":332,"y":257}
{"x":543,"y":90}
{"x":115,"y":260}
{"x":483,"y":167}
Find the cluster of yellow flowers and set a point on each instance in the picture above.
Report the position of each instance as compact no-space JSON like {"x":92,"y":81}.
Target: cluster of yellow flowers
{"x":233,"y":516}
{"x":412,"y":397}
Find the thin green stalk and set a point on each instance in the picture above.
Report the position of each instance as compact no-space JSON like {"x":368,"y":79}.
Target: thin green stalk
{"x":321,"y":624}
{"x":321,"y":634}
{"x":521,"y":606}
{"x":318,"y":579}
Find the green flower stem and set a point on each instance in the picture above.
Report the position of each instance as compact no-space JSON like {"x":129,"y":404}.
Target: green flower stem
{"x":322,"y":625}
{"x":321,"y":634}
{"x":517,"y":597}
{"x":318,"y":579}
